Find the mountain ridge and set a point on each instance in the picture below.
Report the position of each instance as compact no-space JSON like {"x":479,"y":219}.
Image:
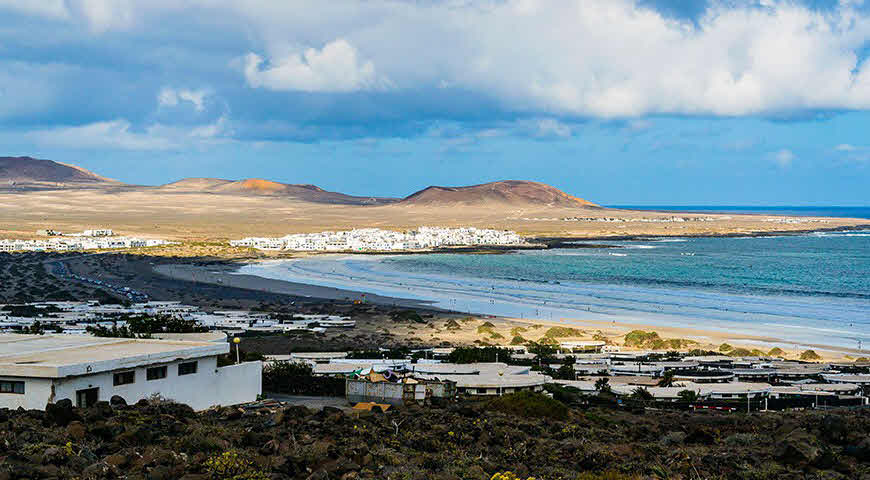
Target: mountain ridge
{"x":22,"y":173}
{"x":34,"y":171}
{"x":505,"y":192}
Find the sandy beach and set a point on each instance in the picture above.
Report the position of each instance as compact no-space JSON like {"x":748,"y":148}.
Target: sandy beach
{"x":502,"y":329}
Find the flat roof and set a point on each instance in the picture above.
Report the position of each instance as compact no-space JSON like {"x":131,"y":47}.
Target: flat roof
{"x":58,"y":356}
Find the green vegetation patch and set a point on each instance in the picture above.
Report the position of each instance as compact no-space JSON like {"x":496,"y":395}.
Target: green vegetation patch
{"x":725,"y":348}
{"x":530,"y":404}
{"x":560,"y":332}
{"x":652,"y":340}
{"x":638,"y":338}
{"x":452,"y":325}
{"x":518,"y":330}
{"x":740,"y":352}
{"x":810,"y":355}
{"x":776,"y":352}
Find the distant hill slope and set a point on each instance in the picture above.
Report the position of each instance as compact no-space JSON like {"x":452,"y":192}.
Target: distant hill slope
{"x":258,"y":186}
{"x":15,"y":171}
{"x":506,"y":192}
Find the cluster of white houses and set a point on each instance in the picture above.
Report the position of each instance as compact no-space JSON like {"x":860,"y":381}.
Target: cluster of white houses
{"x":76,"y":317}
{"x":102,"y":239}
{"x":375,"y":239}
{"x":710,"y":378}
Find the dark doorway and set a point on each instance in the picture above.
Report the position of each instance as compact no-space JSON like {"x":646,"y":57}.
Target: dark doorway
{"x":87,"y":397}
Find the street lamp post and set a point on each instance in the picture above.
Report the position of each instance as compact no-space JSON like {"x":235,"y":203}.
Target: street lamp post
{"x":237,"y":340}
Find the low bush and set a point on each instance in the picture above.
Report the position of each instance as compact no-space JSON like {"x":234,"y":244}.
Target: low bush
{"x":518,"y":330}
{"x":638,"y":338}
{"x":233,"y":465}
{"x":559,"y":332}
{"x":529,"y":404}
{"x":810,"y":355}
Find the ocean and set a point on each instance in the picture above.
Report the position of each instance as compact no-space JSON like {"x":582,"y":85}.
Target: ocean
{"x":842,"y":212}
{"x":804,"y":289}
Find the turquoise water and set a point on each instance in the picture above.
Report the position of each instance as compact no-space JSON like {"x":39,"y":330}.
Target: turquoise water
{"x":820,"y":265}
{"x":843,"y":212}
{"x":805,"y":290}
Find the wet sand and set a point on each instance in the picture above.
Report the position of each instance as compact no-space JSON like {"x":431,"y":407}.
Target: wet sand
{"x":223,"y":275}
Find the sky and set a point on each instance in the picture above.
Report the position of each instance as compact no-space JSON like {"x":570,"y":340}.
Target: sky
{"x":628,"y":102}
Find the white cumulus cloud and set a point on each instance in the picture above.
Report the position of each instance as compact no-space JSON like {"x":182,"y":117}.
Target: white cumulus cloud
{"x":170,"y":97}
{"x":119,"y":134}
{"x":337,"y":67}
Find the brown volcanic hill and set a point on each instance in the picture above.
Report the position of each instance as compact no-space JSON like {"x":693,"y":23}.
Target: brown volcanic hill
{"x":506,"y":192}
{"x":258,"y":186}
{"x":17,"y":171}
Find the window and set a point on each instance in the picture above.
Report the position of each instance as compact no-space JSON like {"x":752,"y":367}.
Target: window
{"x":156,"y":373}
{"x":123,"y":378}
{"x":12,"y":387}
{"x":186,"y":368}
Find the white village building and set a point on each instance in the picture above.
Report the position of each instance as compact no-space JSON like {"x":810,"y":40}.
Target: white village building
{"x":39,"y":369}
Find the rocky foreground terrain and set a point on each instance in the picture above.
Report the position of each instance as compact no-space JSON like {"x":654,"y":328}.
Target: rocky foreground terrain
{"x":160,"y":440}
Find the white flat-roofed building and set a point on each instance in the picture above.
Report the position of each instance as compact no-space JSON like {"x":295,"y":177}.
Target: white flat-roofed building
{"x":39,"y":369}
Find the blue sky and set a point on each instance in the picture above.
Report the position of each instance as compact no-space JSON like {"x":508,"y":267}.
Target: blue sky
{"x":618,"y":101}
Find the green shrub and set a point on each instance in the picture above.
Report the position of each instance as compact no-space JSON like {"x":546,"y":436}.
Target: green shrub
{"x":688,"y":395}
{"x":559,"y":332}
{"x":518,"y":340}
{"x":529,"y":404}
{"x":496,"y":336}
{"x":518,"y":330}
{"x":740,"y":352}
{"x":810,"y":355}
{"x":638,"y":338}
{"x":725,"y":348}
{"x":452,"y":325}
{"x":233,"y":465}
{"x":776,"y":352}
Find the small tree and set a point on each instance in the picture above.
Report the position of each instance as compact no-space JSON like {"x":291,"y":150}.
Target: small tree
{"x":641,"y":394}
{"x":667,"y":379}
{"x":602,"y":385}
{"x":689,"y":396}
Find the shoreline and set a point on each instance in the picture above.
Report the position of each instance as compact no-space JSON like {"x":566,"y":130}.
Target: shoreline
{"x":221,"y":275}
{"x":537,"y":243}
{"x":565,"y":242}
{"x":710,"y":338}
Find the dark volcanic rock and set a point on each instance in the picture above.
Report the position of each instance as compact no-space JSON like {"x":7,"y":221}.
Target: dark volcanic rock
{"x":798,"y":448}
{"x":117,"y":402}
{"x":60,"y":413}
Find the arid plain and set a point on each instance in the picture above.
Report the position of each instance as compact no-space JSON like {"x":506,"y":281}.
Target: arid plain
{"x":197,"y":216}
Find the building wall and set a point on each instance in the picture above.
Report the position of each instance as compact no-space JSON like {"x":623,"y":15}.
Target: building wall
{"x":37,"y":391}
{"x":207,"y":387}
